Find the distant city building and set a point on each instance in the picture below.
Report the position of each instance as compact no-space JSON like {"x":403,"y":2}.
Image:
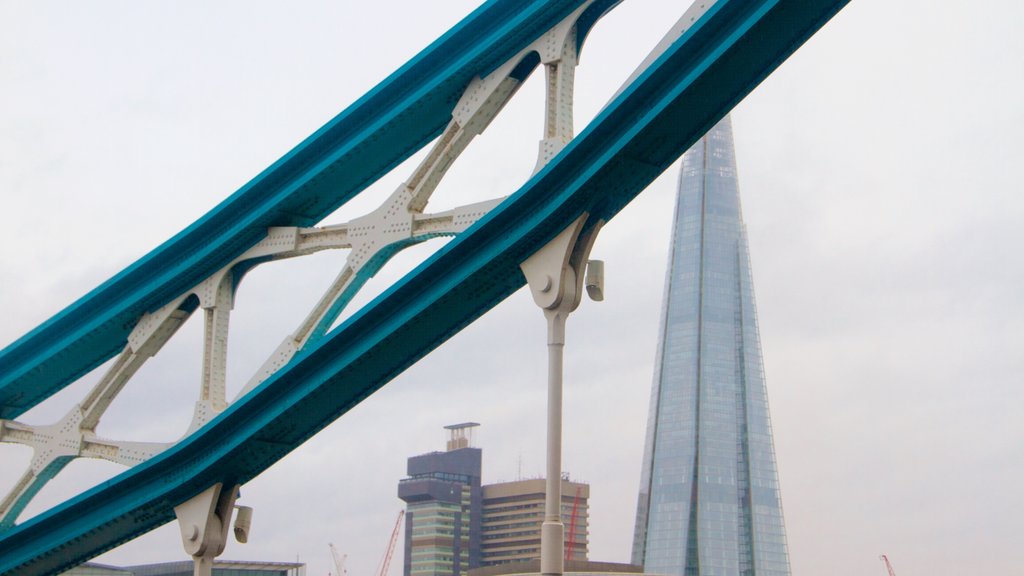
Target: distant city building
{"x":443,"y":507}
{"x":512,"y":516}
{"x":186,"y":568}
{"x":709,"y":496}
{"x":94,"y":569}
{"x":572,"y":568}
{"x":453,"y":524}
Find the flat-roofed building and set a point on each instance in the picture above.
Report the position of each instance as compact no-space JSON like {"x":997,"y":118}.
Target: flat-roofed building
{"x":96,"y":569}
{"x":512,"y":516}
{"x":186,"y":568}
{"x":572,"y":568}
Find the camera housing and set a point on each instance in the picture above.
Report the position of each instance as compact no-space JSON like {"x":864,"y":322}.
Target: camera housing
{"x":243,"y":523}
{"x":595,"y":280}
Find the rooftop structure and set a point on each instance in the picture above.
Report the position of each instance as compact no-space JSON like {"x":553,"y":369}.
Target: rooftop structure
{"x":460,"y":435}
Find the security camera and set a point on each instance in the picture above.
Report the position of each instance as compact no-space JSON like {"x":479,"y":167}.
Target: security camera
{"x":243,"y":523}
{"x":595,"y":280}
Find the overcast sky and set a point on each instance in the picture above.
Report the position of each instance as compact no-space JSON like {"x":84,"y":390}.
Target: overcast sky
{"x":879,"y":171}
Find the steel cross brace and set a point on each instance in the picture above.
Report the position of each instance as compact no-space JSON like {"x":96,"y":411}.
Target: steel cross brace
{"x":372,"y":239}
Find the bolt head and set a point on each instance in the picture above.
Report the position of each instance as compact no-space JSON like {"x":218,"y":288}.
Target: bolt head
{"x":546,"y":286}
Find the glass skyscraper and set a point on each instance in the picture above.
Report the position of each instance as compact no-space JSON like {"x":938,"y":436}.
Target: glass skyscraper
{"x":709,"y":500}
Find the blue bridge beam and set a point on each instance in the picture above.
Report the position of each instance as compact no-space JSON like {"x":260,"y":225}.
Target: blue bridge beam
{"x":665,"y":110}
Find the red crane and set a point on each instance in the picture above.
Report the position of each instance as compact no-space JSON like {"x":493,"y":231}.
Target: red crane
{"x":888,"y":564}
{"x":571,"y":543}
{"x":385,"y":562}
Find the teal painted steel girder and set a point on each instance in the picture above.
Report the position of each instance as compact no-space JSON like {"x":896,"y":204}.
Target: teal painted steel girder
{"x":667,"y":108}
{"x":384,"y":127}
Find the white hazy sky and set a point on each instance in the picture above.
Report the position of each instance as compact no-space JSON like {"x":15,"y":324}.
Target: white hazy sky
{"x":880,"y":175}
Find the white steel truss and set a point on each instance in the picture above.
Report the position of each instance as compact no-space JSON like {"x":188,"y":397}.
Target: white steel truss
{"x":372,"y":240}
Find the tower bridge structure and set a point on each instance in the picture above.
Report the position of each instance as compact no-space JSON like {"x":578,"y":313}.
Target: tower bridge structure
{"x":441,"y":99}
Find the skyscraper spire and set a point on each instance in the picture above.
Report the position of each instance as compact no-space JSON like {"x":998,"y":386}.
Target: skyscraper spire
{"x":709,"y":498}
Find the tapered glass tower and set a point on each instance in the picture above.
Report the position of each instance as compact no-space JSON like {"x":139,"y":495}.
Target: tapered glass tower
{"x":709,"y":496}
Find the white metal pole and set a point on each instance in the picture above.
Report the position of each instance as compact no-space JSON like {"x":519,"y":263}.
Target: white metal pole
{"x":554,"y":274}
{"x":552,"y":530}
{"x":203,"y":566}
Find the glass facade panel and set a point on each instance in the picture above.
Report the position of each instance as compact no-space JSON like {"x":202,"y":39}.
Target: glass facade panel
{"x":709,"y":500}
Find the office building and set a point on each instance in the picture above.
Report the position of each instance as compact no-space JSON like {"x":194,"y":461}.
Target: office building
{"x":443,"y":506}
{"x":572,"y":568}
{"x":186,"y":568}
{"x":512,"y":516}
{"x":709,"y":497}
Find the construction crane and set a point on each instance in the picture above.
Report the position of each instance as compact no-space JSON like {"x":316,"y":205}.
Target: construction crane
{"x":571,"y":543}
{"x":339,"y":560}
{"x":385,"y":562}
{"x":888,"y":565}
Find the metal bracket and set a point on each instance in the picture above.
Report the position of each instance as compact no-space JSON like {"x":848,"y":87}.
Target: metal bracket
{"x":204,"y":522}
{"x":555,"y":274}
